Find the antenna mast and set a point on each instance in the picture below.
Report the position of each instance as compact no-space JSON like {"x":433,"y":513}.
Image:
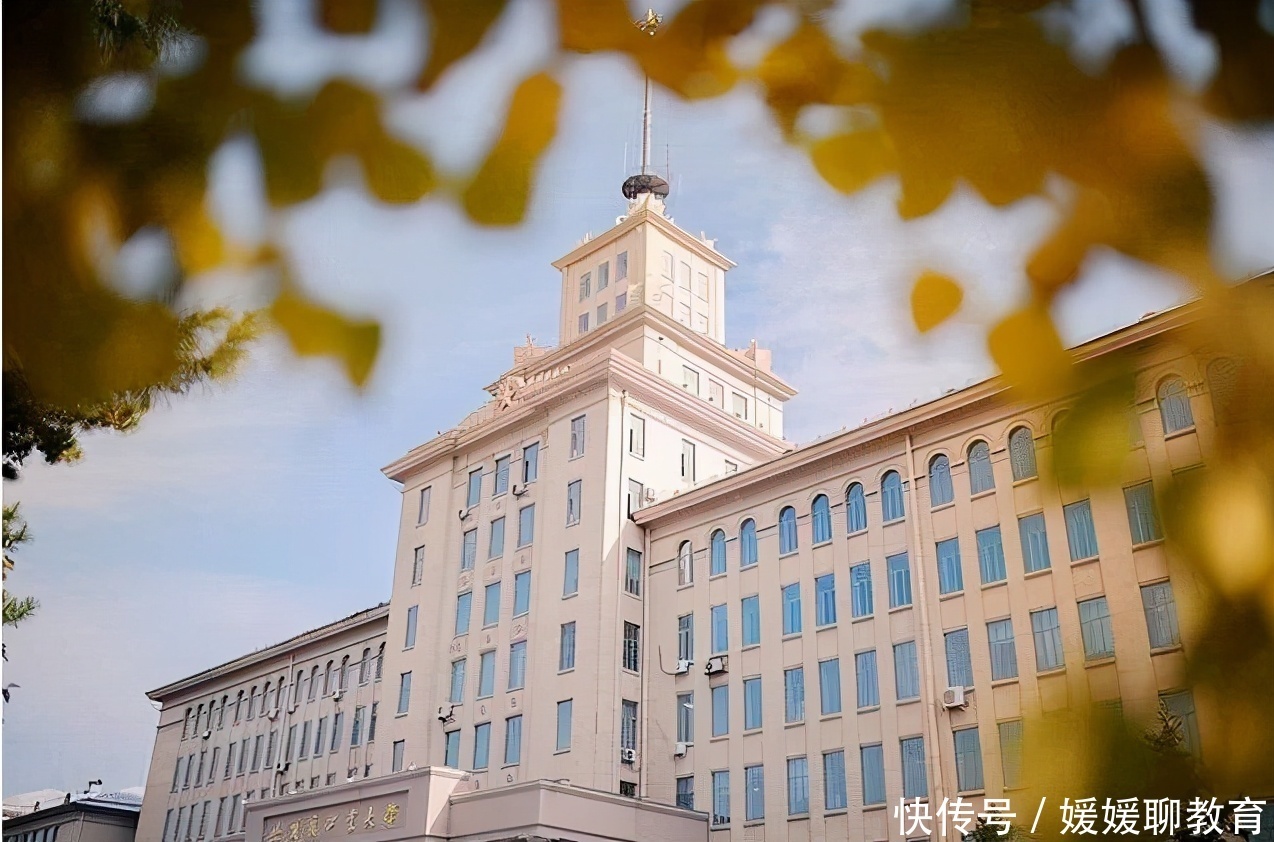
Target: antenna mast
{"x":649,"y":25}
{"x":646,"y":190}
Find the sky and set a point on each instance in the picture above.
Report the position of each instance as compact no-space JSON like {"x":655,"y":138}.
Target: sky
{"x":251,"y":511}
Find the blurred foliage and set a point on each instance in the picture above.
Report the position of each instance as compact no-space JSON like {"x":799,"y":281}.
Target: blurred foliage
{"x":16,"y":608}
{"x":987,"y":96}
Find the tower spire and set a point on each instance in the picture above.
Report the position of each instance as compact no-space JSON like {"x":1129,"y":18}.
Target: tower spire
{"x":646,"y":182}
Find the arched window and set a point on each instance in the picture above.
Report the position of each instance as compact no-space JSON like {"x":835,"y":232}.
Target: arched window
{"x":1174,"y":406}
{"x":747,"y":543}
{"x":253,"y":697}
{"x":822,"y":517}
{"x":380,"y":665}
{"x":685,"y":564}
{"x":980,"y":476}
{"x":718,"y":552}
{"x":221,"y":712}
{"x":185,"y":725}
{"x":238,"y":708}
{"x":891,"y":497}
{"x":940,"y":490}
{"x":340,"y":679}
{"x":314,"y":683}
{"x":855,"y":509}
{"x":1022,"y":454}
{"x":787,"y":530}
{"x":296,"y":686}
{"x":365,"y":666}
{"x":199,"y":720}
{"x":1223,"y":385}
{"x":327,"y":679}
{"x":267,"y":698}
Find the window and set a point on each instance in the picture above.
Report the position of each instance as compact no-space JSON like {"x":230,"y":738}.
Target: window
{"x":798,"y":786}
{"x":469,"y":549}
{"x":632,"y":647}
{"x":914,"y":782}
{"x":491,"y":604}
{"x":632,"y":572}
{"x":717,"y":554}
{"x":621,"y":302}
{"x":686,"y":717}
{"x":570,"y":573}
{"x":873,"y":759}
{"x":531,"y":462}
{"x":752,"y":703}
{"x":1022,"y":454}
{"x":950,"y":577}
{"x":578,"y":429}
{"x":685,"y":637}
{"x":899,"y":569}
{"x":686,"y":792}
{"x":621,"y":266}
{"x":475,"y":487}
{"x":1174,"y":406}
{"x":720,"y":629}
{"x":690,"y":379}
{"x":1161,"y":615}
{"x":991,"y":555}
{"x":792,"y":608}
{"x":716,"y":394}
{"x":701,"y":280}
{"x":496,"y":548}
{"x":1048,"y":639}
{"x":1223,"y":383}
{"x":356,"y":732}
{"x":1034,"y":542}
{"x":481,"y":745}
{"x":256,"y":752}
{"x":906,"y":671}
{"x":787,"y":531}
{"x":825,"y":600}
{"x":517,"y":665}
{"x":981,"y":477}
{"x":564,"y":725}
{"x":501,"y":476}
{"x":1080,"y":534}
{"x":408,"y":641}
{"x":794,"y":694}
{"x":574,"y":491}
{"x":740,"y":406}
{"x":603,"y":276}
{"x":959,"y":666}
{"x":940,"y":490}
{"x":891,"y":497}
{"x":1181,"y":705}
{"x":855,"y":509}
{"x":464,"y":604}
{"x":1143,"y":520}
{"x":835,"y":796}
{"x":404,"y":692}
{"x":822,"y":517}
{"x":371,"y":724}
{"x":526,"y":525}
{"x":1003,"y":649}
{"x":636,"y":491}
{"x":688,"y":461}
{"x":522,"y":593}
{"x":451,"y":750}
{"x":627,"y":724}
{"x":720,"y":710}
{"x":720,"y":798}
{"x":338,"y":730}
{"x":685,"y":564}
{"x":585,"y":285}
{"x":747,"y":543}
{"x":637,"y":436}
{"x":1094,"y":628}
{"x":566,"y":647}
{"x":968,"y":757}
{"x":486,"y":675}
{"x":422,"y":513}
{"x":365,"y":664}
{"x":1010,"y":752}
{"x":457,"y":682}
{"x":754,"y":797}
{"x":829,"y":686}
{"x":860,"y":590}
{"x":513,"y":740}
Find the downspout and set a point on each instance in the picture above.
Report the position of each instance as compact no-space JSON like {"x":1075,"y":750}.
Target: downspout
{"x":619,"y":588}
{"x":645,"y":685}
{"x":925,"y":655}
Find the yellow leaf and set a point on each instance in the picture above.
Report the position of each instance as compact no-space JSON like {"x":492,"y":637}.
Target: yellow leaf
{"x":934,"y":299}
{"x":348,"y":17}
{"x":315,"y":330}
{"x":1092,"y":442}
{"x":455,"y":30}
{"x":851,"y":161}
{"x":1026,"y":347}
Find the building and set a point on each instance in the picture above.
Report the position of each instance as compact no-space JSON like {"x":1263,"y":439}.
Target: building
{"x":623,"y":607}
{"x":96,"y":817}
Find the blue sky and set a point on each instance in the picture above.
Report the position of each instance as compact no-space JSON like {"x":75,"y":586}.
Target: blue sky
{"x":253,"y":510}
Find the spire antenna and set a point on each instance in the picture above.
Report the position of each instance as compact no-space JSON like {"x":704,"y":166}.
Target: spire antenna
{"x":645,"y":183}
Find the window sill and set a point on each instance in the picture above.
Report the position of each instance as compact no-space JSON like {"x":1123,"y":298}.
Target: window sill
{"x":822,"y":543}
{"x":1102,"y":661}
{"x":871,"y":808}
{"x":898,"y":608}
{"x":792,"y":635}
{"x":1165,"y":650}
{"x":510,"y":766}
{"x":523,"y":546}
{"x":566,"y":671}
{"x":790,"y":553}
{"x":1078,"y":561}
{"x":829,"y":716}
{"x":572,"y":523}
{"x":997,"y":584}
{"x":1176,"y":434}
{"x":800,"y":817}
{"x":717,"y":738}
{"x":748,"y":566}
{"x":1052,"y":671}
{"x":1147,"y":544}
{"x":946,"y":596}
{"x":754,"y":823}
{"x":950,"y":504}
{"x":990,"y":492}
{"x":856,"y":533}
{"x":826,"y":627}
{"x":1005,"y":682}
{"x":570,"y":595}
{"x":714,"y":576}
{"x":630,"y":595}
{"x":862,"y":619}
{"x":895,"y":520}
{"x":1025,"y":480}
{"x":523,"y":614}
{"x":638,"y":456}
{"x":836,"y":811}
{"x":405,"y":649}
{"x":562,"y":751}
{"x":684,"y":585}
{"x":1035,"y":574}
{"x":750,"y":646}
{"x":749,"y":731}
{"x":974,"y":792}
{"x":797,"y":724}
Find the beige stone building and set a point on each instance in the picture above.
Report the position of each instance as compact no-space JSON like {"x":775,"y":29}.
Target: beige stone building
{"x":624,"y":607}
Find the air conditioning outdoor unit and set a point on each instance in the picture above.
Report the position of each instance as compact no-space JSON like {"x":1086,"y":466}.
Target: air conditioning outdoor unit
{"x":681,"y":749}
{"x":280,"y":767}
{"x":953,"y":698}
{"x":207,"y":735}
{"x":338,"y":695}
{"x":683,"y":667}
{"x":628,"y":755}
{"x":715,"y":665}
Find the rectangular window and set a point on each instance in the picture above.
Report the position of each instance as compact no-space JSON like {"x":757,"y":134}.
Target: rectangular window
{"x":860,"y":590}
{"x":418,"y":567}
{"x":531,"y":462}
{"x":754,"y":780}
{"x":720,"y":798}
{"x":451,"y":750}
{"x":457,"y":681}
{"x":720,"y":710}
{"x":686,"y":717}
{"x":486,"y":674}
{"x":517,"y":665}
{"x":422,"y":512}
{"x":404,"y":692}
{"x":526,"y":525}
{"x":1048,"y":639}
{"x":469,"y":549}
{"x":792,"y":608}
{"x":513,"y":740}
{"x":496,"y":548}
{"x":632,"y":572}
{"x":959,"y":665}
{"x":794,"y":694}
{"x":751,"y":620}
{"x":583,"y":323}
{"x":1081,"y":536}
{"x":570,"y":573}
{"x":720,"y":629}
{"x":1143,"y":519}
{"x":574,"y":492}
{"x":464,"y":603}
{"x":481,"y":745}
{"x":740,"y":406}
{"x":564,"y":725}
{"x":899,"y":569}
{"x":177,"y":773}
{"x":400,"y":751}
{"x":1181,"y":705}
{"x":585,"y":285}
{"x":915,"y":783}
{"x":716,"y":394}
{"x":950,"y":577}
{"x":667,"y":265}
{"x":829,"y":686}
{"x":686,"y":792}
{"x":578,"y":429}
{"x":825,"y":600}
{"x":906,"y":671}
{"x":628,"y":724}
{"x":256,"y":752}
{"x":601,"y":314}
{"x":603,"y":276}
{"x":320,"y":732}
{"x":1094,"y":628}
{"x":621,"y":266}
{"x":410,"y":637}
{"x":356,"y":731}
{"x":991,"y":555}
{"x":690,"y":379}
{"x":1161,"y":615}
{"x":868,"y":683}
{"x":243,"y":748}
{"x":798,"y":786}
{"x":621,"y":302}
{"x":702,"y":284}
{"x":968,"y":757}
{"x":522,"y":593}
{"x":1011,"y":752}
{"x":1034,"y":542}
{"x":637,"y":435}
{"x":835,"y":795}
{"x":685,"y":637}
{"x":1003,"y":649}
{"x":752,"y":703}
{"x":688,"y":461}
{"x":566,"y":647}
{"x":632,"y":647}
{"x":475,"y":487}
{"x":873,"y":758}
{"x":338,"y":730}
{"x":371,"y":724}
{"x":501,"y":476}
{"x":491,"y":604}
{"x":636,"y":495}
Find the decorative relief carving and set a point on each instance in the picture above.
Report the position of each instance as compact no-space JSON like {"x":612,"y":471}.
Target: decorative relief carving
{"x":465,"y":581}
{"x":491,"y":572}
{"x":518,"y":630}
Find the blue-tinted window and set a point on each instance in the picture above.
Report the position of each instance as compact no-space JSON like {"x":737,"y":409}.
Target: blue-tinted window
{"x":899,"y":580}
{"x":752,"y":703}
{"x":1048,"y":639}
{"x":914,"y":780}
{"x":720,"y":629}
{"x":751,"y":620}
{"x":1003,"y":649}
{"x":720,"y":710}
{"x":822,"y":517}
{"x":718,"y":552}
{"x":906,"y":671}
{"x":1022,"y":454}
{"x":747,"y":544}
{"x":950,"y":577}
{"x":829,"y":686}
{"x":991,"y":555}
{"x":835,"y":795}
{"x":794,"y":694}
{"x":792,"y":608}
{"x":1034,"y":542}
{"x":981,"y":478}
{"x":1094,"y":627}
{"x":968,"y":757}
{"x":855,"y":509}
{"x":860,"y":590}
{"x":959,"y":665}
{"x":787,"y":531}
{"x":941,"y":491}
{"x":868,"y":684}
{"x":1081,"y":536}
{"x":891,"y":497}
{"x":873,"y":758}
{"x":825,"y":600}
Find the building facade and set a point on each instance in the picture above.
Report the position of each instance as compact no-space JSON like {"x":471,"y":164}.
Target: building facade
{"x":97,"y":817}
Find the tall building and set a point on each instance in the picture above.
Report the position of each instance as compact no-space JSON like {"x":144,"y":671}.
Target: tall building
{"x":624,"y":607}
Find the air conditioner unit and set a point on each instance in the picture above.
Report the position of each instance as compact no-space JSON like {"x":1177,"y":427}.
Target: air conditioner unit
{"x":338,"y":695}
{"x":650,"y":495}
{"x":628,"y":755}
{"x":683,"y":667}
{"x":681,"y":749}
{"x":519,"y":490}
{"x":207,"y":735}
{"x":953,"y":698}
{"x":280,"y":767}
{"x":715,"y":665}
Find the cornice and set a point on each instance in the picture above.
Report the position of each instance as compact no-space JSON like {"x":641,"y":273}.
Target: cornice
{"x":721,"y":354}
{"x":636,"y":218}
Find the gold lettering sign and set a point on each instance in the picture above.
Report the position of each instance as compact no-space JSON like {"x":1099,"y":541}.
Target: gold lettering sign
{"x":358,"y":820}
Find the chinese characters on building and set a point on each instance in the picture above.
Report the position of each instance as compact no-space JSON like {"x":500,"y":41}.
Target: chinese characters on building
{"x":341,"y":823}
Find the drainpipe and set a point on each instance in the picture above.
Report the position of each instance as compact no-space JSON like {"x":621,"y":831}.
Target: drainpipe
{"x":619,"y":588}
{"x":925,"y":654}
{"x":644,"y":717}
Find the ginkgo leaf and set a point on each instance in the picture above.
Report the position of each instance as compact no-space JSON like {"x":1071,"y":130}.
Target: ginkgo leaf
{"x":348,"y":17}
{"x":1029,"y":353}
{"x":316,"y":330}
{"x":851,"y":161}
{"x":934,"y":299}
{"x":455,"y":29}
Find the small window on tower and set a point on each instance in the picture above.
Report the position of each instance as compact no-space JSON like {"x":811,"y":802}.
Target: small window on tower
{"x":585,"y":285}
{"x":668,"y":265}
{"x":601,"y":314}
{"x":621,"y":302}
{"x":683,"y":276}
{"x":621,"y":266}
{"x":583,"y":323}
{"x":603,"y":276}
{"x":702,"y":285}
